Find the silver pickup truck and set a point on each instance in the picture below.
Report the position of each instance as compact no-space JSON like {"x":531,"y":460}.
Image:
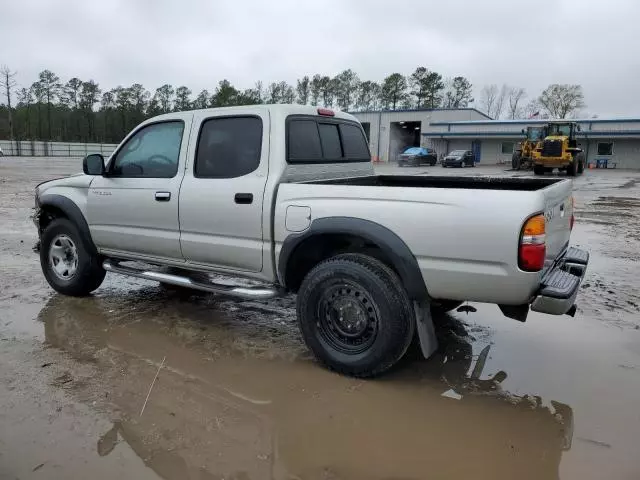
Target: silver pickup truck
{"x":283,"y":198}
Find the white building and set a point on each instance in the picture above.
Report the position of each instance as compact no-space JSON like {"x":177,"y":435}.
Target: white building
{"x":392,"y":131}
{"x":616,"y":141}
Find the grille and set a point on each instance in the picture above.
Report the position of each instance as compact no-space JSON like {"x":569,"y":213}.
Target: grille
{"x":552,"y":148}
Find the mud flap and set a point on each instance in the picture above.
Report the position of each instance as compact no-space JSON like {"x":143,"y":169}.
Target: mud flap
{"x":424,"y":326}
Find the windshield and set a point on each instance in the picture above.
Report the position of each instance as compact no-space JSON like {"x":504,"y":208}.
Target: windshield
{"x":457,"y":153}
{"x":535,"y":133}
{"x":563,"y":129}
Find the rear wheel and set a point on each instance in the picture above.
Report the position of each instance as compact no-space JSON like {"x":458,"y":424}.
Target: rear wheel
{"x":354,"y":315}
{"x":69,"y":267}
{"x":572,"y":170}
{"x":538,"y":170}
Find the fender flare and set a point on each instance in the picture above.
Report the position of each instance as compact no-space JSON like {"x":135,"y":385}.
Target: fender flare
{"x":73,"y":213}
{"x":394,"y":248}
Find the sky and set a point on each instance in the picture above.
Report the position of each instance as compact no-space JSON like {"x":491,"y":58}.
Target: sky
{"x":197,"y":43}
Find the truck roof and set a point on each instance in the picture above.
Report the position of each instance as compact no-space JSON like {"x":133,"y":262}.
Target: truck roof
{"x":282,"y":110}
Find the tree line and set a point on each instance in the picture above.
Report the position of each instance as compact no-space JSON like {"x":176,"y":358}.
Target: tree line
{"x":79,"y":110}
{"x":556,"y":101}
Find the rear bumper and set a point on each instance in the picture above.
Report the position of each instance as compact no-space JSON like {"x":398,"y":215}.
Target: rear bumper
{"x":560,"y":285}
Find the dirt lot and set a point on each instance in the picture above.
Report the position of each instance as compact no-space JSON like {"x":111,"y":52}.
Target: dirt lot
{"x":239,"y":397}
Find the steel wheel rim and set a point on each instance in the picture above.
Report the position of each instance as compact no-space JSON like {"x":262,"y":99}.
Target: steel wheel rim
{"x":348,"y":319}
{"x":63,"y":257}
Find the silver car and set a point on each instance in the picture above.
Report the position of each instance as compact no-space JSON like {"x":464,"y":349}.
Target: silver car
{"x":459,"y":158}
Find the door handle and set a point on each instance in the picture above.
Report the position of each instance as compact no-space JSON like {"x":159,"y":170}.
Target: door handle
{"x":244,"y":198}
{"x":163,"y":196}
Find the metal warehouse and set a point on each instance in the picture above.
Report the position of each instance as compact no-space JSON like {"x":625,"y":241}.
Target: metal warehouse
{"x":614,"y":142}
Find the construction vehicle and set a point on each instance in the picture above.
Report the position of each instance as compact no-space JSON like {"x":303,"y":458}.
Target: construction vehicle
{"x":522,"y":158}
{"x":559,"y":150}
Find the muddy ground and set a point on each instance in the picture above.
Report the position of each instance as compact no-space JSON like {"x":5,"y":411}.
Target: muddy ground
{"x":239,"y":397}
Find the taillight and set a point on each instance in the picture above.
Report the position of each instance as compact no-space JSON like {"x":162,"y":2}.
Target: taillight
{"x":325,"y":112}
{"x":532,"y":248}
{"x":573,"y":210}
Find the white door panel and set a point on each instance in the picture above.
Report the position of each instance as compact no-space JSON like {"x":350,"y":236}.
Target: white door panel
{"x":221,"y":199}
{"x":124,"y":215}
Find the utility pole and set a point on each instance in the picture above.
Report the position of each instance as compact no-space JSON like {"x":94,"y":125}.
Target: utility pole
{"x":7,"y":82}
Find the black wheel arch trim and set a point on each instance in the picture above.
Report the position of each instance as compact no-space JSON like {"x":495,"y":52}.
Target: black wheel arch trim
{"x":73,"y":213}
{"x":394,"y":248}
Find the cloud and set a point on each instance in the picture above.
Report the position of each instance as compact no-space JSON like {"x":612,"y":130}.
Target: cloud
{"x":199,"y":42}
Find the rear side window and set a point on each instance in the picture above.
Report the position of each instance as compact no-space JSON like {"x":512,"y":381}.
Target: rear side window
{"x":330,"y":141}
{"x":318,"y":140}
{"x":304,"y":141}
{"x":228,"y":147}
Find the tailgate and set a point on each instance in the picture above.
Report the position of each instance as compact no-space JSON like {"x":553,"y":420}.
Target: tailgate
{"x":558,"y":211}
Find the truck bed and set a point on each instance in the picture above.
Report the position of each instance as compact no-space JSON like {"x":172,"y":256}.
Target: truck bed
{"x":423,"y":181}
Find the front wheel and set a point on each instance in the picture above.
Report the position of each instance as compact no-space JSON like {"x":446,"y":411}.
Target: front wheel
{"x":69,"y":267}
{"x":516,"y":161}
{"x":572,"y":170}
{"x":538,"y":170}
{"x":354,"y":315}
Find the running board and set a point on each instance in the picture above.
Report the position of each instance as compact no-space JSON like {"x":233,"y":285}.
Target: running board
{"x":250,"y":293}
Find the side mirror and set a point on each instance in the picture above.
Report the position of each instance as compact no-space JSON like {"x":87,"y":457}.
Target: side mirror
{"x":93,"y":164}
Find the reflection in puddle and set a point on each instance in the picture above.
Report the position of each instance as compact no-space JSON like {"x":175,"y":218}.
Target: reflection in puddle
{"x":238,"y":397}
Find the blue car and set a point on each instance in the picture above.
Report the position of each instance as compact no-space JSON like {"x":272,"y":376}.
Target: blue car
{"x":416,"y":156}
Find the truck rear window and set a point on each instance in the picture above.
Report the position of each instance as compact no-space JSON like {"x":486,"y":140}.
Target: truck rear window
{"x":320,"y":140}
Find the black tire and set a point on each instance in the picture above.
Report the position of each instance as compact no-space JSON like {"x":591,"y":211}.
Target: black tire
{"x":88,"y":273}
{"x":572,"y":170}
{"x":538,"y":170}
{"x":433,"y":163}
{"x":516,"y":161}
{"x":379,"y":307}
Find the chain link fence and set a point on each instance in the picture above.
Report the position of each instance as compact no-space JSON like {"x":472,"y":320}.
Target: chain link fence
{"x":37,"y":148}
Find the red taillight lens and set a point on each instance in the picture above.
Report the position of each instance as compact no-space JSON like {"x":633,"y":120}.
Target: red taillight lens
{"x":532,"y":250}
{"x":325,"y":112}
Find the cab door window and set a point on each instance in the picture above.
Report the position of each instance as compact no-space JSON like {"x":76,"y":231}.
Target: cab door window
{"x":152,"y":152}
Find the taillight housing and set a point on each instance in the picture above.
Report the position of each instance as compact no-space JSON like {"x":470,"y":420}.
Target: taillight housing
{"x":532,"y":249}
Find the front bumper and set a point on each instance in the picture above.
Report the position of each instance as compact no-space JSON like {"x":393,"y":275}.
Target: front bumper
{"x":560,"y":285}
{"x":452,"y":163}
{"x":408,"y":161}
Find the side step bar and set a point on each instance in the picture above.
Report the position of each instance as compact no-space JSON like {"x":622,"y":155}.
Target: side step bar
{"x":249,"y":293}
